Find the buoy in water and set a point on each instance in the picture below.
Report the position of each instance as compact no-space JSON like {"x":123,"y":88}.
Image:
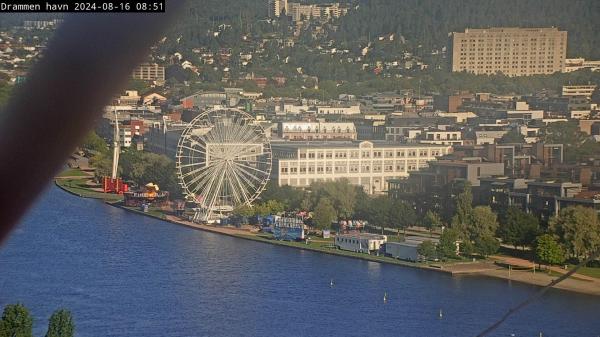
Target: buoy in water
{"x":441,"y":314}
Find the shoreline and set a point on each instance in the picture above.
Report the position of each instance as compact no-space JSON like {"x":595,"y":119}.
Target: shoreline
{"x":462,"y":269}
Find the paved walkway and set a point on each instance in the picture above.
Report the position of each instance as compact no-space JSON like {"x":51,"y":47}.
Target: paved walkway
{"x":515,"y":261}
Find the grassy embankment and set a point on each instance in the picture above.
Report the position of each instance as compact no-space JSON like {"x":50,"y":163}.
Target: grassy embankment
{"x":81,"y":187}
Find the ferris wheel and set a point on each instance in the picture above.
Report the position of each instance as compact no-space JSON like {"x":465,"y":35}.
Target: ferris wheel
{"x":223,"y":161}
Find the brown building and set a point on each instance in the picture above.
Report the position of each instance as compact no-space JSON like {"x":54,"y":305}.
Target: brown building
{"x":511,"y":51}
{"x":451,"y":103}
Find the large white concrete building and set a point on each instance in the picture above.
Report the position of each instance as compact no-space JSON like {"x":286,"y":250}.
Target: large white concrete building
{"x":367,"y":164}
{"x":510,"y":50}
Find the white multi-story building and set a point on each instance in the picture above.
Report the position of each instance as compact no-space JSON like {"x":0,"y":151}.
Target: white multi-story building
{"x":317,"y":131}
{"x":578,"y":90}
{"x":277,"y":7}
{"x":579,"y":64}
{"x":512,"y":51}
{"x":440,"y":137}
{"x":367,"y":164}
{"x":338,"y":110}
{"x":300,"y":12}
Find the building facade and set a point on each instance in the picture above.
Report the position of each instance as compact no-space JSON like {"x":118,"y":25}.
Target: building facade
{"x":304,"y":131}
{"x":367,"y":164}
{"x":511,"y":51}
{"x":149,"y":72}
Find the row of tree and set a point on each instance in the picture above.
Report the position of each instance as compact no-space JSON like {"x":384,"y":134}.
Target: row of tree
{"x":575,"y":231}
{"x":135,"y":166}
{"x":17,"y":322}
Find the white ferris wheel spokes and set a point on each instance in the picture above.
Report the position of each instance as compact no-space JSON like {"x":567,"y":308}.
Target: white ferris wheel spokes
{"x":223,"y":161}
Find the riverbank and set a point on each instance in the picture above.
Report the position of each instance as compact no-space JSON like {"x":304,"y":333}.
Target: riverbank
{"x":490,"y":268}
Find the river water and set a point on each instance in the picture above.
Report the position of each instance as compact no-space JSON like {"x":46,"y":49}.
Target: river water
{"x":123,"y":274}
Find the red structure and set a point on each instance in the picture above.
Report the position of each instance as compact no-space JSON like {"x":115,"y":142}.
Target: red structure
{"x":116,"y":186}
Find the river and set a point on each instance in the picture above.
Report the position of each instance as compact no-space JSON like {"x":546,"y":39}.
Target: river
{"x":122,"y":274}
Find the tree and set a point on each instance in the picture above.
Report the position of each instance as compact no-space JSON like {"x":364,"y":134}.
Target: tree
{"x":432,"y":220}
{"x":379,"y":211}
{"x":244,"y":211}
{"x":447,"y":245}
{"x":144,"y":167}
{"x":341,"y":193}
{"x":578,"y":229}
{"x":401,"y":215}
{"x":518,"y":228}
{"x":548,"y":250}
{"x":93,"y":143}
{"x":16,"y":321}
{"x":577,"y":144}
{"x":269,"y":207}
{"x":427,"y":249}
{"x":290,"y":197}
{"x":483,"y":222}
{"x":102,"y":162}
{"x":324,"y":214}
{"x":463,"y":208}
{"x":61,"y":324}
{"x":486,"y":245}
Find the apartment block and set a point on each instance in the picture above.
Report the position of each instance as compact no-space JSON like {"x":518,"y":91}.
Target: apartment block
{"x":511,"y":51}
{"x":149,"y":72}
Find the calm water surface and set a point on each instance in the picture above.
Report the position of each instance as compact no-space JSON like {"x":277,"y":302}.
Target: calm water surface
{"x":123,"y":274}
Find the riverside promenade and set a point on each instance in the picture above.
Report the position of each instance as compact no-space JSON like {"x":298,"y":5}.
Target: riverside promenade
{"x":493,"y":267}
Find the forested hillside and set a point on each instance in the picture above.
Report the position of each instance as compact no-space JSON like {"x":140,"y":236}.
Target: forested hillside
{"x":420,"y":22}
{"x":428,"y":22}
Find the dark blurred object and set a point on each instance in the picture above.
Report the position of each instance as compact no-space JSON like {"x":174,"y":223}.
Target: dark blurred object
{"x":89,"y":59}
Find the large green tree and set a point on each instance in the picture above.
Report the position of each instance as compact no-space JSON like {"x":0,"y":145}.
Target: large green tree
{"x":578,"y":229}
{"x":401,"y":215}
{"x":518,"y":228}
{"x":145,"y":167}
{"x":291,"y":197}
{"x":463,"y":207}
{"x":61,"y":324}
{"x":94,"y":143}
{"x":482,"y":223}
{"x":548,"y":250}
{"x":341,"y":193}
{"x":427,"y":249}
{"x":431,"y":221}
{"x":486,"y":245}
{"x":16,"y":321}
{"x":447,"y":245}
{"x":324,"y":214}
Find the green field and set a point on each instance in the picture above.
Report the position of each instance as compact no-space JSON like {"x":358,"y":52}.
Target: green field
{"x":588,"y":271}
{"x":73,"y":173}
{"x":79,"y":187}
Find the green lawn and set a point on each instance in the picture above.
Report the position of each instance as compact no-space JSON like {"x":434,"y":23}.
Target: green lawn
{"x":588,"y":271}
{"x":73,"y":173}
{"x":78,"y":187}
